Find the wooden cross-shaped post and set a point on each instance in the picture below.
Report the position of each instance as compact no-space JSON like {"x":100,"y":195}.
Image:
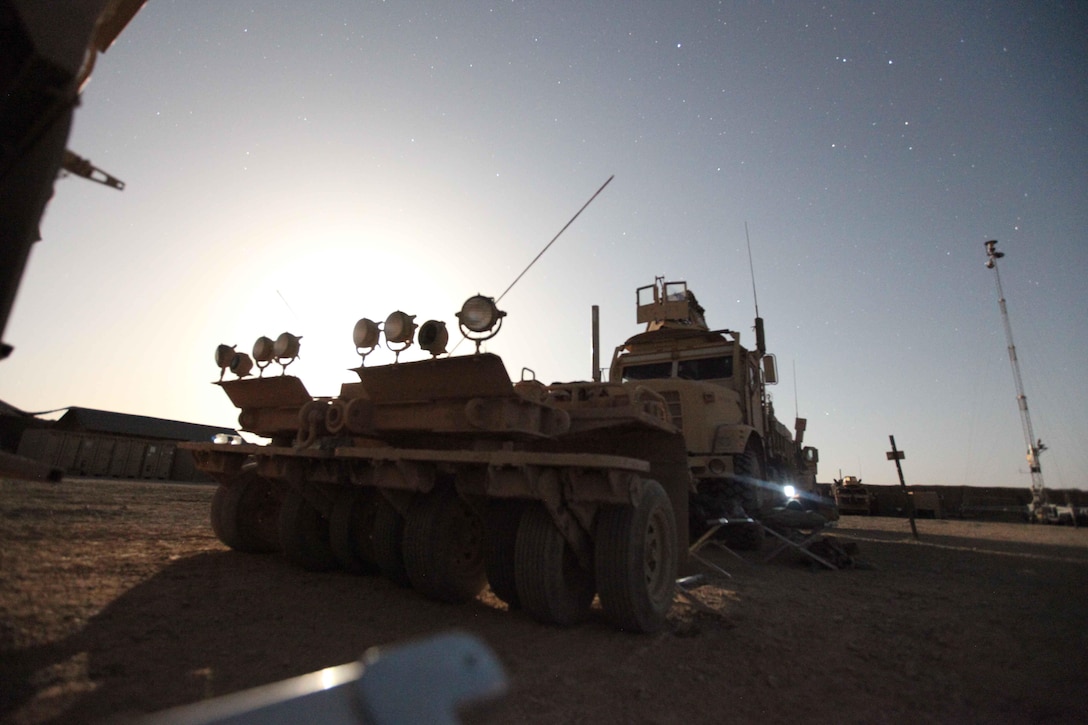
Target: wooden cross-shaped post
{"x":897,"y":455}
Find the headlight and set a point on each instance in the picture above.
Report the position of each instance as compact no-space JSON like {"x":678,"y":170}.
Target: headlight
{"x":241,"y":364}
{"x":366,"y":333}
{"x":433,"y":337}
{"x":479,"y":314}
{"x":223,"y":355}
{"x":399,"y":327}
{"x":789,"y":490}
{"x":285,"y":349}
{"x":286,"y":346}
{"x":264,"y":350}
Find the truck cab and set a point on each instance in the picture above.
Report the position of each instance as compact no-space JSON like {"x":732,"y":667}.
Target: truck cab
{"x":740,"y":456}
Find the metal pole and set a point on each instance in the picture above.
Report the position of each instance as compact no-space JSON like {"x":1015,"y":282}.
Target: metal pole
{"x":897,"y":455}
{"x":1034,"y":446}
{"x":596,"y":344}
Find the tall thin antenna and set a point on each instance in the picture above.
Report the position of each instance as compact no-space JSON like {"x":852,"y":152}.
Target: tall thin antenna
{"x":546,"y":246}
{"x":796,"y":408}
{"x":751,"y":267}
{"x":541,"y":254}
{"x":761,"y":340}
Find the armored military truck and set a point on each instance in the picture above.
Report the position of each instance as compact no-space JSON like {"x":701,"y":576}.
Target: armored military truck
{"x":743,"y":461}
{"x":852,"y":497}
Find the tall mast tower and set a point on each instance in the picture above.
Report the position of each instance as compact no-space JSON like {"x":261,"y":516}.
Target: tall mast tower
{"x":1034,"y":446}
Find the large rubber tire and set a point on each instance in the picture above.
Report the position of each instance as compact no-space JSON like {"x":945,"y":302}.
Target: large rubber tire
{"x":350,"y":525}
{"x":387,"y":541}
{"x":501,"y":521}
{"x":444,"y":547}
{"x":748,"y":474}
{"x":551,"y":585}
{"x":304,"y":534}
{"x":637,"y":557}
{"x":748,"y":468}
{"x":244,"y":515}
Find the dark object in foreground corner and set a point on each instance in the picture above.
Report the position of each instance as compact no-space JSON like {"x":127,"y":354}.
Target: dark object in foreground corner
{"x":419,"y":682}
{"x":24,"y":469}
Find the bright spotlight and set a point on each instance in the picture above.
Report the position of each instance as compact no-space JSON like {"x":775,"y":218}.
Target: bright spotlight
{"x":479,"y":314}
{"x":365,"y":334}
{"x":400,"y":328}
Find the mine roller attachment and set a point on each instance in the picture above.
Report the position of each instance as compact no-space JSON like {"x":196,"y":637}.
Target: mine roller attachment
{"x":553,"y":586}
{"x":502,"y":519}
{"x":350,"y":530}
{"x":444,"y":547}
{"x":304,"y":533}
{"x":244,"y":514}
{"x":444,"y":476}
{"x":387,"y":541}
{"x":635,"y":555}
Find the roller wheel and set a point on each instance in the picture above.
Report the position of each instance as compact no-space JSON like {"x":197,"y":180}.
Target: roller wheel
{"x":244,"y":515}
{"x":500,"y":541}
{"x":387,"y":541}
{"x":551,"y":585}
{"x":444,"y":547}
{"x":636,"y":559}
{"x":304,"y":534}
{"x":350,"y":525}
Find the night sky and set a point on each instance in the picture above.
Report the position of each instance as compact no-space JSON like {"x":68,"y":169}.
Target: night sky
{"x":297,"y":166}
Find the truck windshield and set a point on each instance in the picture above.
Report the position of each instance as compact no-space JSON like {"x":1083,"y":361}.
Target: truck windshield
{"x":705,"y":369}
{"x":648,"y":371}
{"x":709,"y":368}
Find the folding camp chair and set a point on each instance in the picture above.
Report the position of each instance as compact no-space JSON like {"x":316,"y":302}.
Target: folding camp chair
{"x":707,"y":539}
{"x":797,"y":530}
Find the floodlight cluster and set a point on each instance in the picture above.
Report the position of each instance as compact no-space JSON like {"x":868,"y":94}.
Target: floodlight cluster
{"x":283,"y":351}
{"x":479,"y":319}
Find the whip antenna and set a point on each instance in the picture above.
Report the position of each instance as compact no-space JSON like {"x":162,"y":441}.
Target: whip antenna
{"x":546,"y":246}
{"x":751,"y":268}
{"x":541,"y":254}
{"x":761,"y":340}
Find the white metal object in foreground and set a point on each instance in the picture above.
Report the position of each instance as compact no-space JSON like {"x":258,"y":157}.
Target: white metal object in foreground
{"x":419,"y":682}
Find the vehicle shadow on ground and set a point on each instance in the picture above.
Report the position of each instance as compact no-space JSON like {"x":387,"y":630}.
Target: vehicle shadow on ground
{"x":219,"y":622}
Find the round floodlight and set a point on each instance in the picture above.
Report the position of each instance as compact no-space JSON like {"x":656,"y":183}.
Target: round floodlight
{"x":789,"y":491}
{"x":399,"y":327}
{"x":241,"y":364}
{"x":433,"y":337}
{"x":479,"y":314}
{"x":365,"y":333}
{"x":286,"y":347}
{"x":223,"y":355}
{"x":264,"y":350}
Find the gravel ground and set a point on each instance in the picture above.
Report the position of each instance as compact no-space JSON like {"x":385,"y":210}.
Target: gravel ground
{"x":116,"y":599}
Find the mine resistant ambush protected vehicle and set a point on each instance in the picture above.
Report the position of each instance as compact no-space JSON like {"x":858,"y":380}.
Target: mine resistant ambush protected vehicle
{"x":743,"y":461}
{"x":443,"y":475}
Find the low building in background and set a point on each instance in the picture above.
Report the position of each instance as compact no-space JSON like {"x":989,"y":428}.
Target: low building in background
{"x":102,"y":444}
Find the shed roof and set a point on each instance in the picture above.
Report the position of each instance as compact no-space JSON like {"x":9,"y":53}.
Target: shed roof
{"x":103,"y":421}
{"x":9,"y":410}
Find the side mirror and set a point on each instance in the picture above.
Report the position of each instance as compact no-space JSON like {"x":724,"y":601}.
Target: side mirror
{"x":811,"y":454}
{"x":770,"y":370}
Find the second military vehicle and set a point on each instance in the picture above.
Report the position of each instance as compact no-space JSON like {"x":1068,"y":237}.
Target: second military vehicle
{"x":743,"y":461}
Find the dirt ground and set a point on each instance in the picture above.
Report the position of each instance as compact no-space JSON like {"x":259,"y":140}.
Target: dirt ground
{"x":117,"y":600}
